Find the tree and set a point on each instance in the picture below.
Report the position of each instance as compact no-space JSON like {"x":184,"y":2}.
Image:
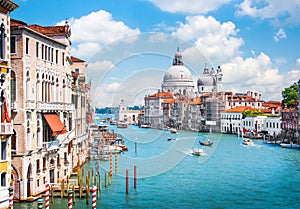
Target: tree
{"x":290,"y":96}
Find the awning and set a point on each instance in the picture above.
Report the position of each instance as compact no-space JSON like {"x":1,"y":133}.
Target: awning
{"x":55,"y":124}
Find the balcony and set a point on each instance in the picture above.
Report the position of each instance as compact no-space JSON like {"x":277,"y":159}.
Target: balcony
{"x":6,"y":129}
{"x":30,"y":104}
{"x":56,"y":106}
{"x":52,"y":145}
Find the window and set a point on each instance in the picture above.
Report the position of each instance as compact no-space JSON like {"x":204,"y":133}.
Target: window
{"x":3,"y":150}
{"x":38,"y":165}
{"x":63,"y":59}
{"x":2,"y":41}
{"x":42,"y":51}
{"x":44,"y":164}
{"x":12,"y":44}
{"x":3,"y":179}
{"x":13,"y":92}
{"x":56,"y":56}
{"x":27,"y":46}
{"x":37,"y":49}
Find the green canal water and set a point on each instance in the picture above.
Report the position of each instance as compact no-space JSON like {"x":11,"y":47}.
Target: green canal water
{"x":230,"y":175}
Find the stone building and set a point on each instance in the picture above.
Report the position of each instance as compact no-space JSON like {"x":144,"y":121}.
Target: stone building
{"x":6,"y":129}
{"x":123,"y":114}
{"x":80,"y":93}
{"x":43,"y":112}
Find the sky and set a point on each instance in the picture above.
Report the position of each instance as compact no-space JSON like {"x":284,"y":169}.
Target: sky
{"x":129,"y":45}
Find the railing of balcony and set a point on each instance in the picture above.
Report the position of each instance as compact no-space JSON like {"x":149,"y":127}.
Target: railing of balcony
{"x":55,"y":106}
{"x":51,"y":145}
{"x":30,"y":104}
{"x":6,"y":129}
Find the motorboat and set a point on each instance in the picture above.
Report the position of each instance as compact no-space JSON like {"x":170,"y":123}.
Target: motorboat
{"x":290,"y":145}
{"x":145,"y":126}
{"x":248,"y":142}
{"x":123,"y":147}
{"x":122,"y":124}
{"x":171,"y":138}
{"x":207,"y":143}
{"x":173,"y":130}
{"x":198,"y":151}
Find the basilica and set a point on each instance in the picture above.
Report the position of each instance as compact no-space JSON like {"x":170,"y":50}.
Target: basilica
{"x":194,"y":103}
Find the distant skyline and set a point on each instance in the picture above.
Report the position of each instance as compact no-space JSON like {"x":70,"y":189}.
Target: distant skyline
{"x":130,"y":44}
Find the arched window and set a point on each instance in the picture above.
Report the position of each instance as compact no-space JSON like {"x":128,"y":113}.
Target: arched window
{"x":3,"y":179}
{"x":2,"y":41}
{"x":13,"y":86}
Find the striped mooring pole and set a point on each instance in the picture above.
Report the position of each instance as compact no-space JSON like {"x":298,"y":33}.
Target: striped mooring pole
{"x":70,"y":203}
{"x":47,"y":196}
{"x":11,"y":197}
{"x":40,"y":203}
{"x":94,"y":194}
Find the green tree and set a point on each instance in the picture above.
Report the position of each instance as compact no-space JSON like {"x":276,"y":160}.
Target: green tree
{"x":252,"y":113}
{"x":290,"y":96}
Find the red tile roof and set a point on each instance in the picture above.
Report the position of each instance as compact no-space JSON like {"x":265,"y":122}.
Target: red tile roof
{"x":75,"y":59}
{"x":50,"y":30}
{"x":240,"y":109}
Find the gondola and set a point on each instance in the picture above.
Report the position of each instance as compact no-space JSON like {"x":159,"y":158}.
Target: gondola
{"x":207,"y":143}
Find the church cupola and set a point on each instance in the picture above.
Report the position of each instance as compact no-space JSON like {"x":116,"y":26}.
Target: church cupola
{"x":178,"y":58}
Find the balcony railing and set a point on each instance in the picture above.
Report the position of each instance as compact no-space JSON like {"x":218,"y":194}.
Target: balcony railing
{"x":6,"y":129}
{"x":55,"y":106}
{"x":51,"y":145}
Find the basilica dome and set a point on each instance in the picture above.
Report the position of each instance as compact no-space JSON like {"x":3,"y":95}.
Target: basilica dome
{"x":178,"y":73}
{"x":206,"y":80}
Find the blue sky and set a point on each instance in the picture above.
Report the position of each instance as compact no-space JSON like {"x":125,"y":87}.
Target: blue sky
{"x":255,"y":41}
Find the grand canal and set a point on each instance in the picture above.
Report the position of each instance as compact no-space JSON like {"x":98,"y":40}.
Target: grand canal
{"x":231,"y":175}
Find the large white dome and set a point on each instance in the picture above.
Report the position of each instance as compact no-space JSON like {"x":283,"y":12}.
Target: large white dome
{"x":178,"y":73}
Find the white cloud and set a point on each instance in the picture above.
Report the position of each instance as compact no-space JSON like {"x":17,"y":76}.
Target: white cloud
{"x":192,"y":7}
{"x":218,"y":41}
{"x":279,"y":12}
{"x":254,"y":74}
{"x":280,"y":35}
{"x":95,"y":30}
{"x":298,"y":61}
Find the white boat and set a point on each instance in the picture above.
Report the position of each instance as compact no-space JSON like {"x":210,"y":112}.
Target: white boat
{"x":290,"y":145}
{"x":122,"y":124}
{"x":198,"y":151}
{"x":173,"y":130}
{"x":145,"y":126}
{"x":248,"y":142}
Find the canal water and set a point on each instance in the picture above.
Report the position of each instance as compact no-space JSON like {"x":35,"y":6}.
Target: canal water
{"x":229,"y":175}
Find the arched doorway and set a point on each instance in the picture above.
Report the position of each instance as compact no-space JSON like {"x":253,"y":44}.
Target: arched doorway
{"x":16,"y":182}
{"x":29,"y":174}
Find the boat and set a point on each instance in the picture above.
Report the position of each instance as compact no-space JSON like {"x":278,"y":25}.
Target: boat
{"x":103,"y":128}
{"x":207,"y":143}
{"x":290,"y":145}
{"x":198,"y":152}
{"x":112,"y":122}
{"x":145,"y":126}
{"x":173,"y":130}
{"x":171,"y":138}
{"x":123,"y":147}
{"x":248,"y":142}
{"x":122,"y":124}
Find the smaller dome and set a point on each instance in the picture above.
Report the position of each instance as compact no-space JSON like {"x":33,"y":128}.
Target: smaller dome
{"x":206,"y":80}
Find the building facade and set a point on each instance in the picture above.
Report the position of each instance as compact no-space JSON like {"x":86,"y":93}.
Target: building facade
{"x":6,"y":130}
{"x":43,"y":112}
{"x":80,"y":99}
